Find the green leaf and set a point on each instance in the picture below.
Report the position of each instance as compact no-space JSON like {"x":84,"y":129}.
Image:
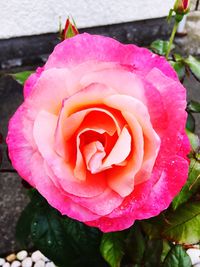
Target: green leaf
{"x":153,"y":253}
{"x":178,"y":57}
{"x":194,"y":140}
{"x":193,"y":106}
{"x":21,"y":77}
{"x":170,"y":15}
{"x":183,"y":225}
{"x":153,"y":227}
{"x":65,"y":241}
{"x":112,"y":248}
{"x":135,"y":244}
{"x":159,"y":47}
{"x":190,"y":125}
{"x":85,"y":240}
{"x":191,"y":187}
{"x":166,"y":248}
{"x":179,"y":67}
{"x":194,"y":65}
{"x":177,"y":257}
{"x":49,"y":236}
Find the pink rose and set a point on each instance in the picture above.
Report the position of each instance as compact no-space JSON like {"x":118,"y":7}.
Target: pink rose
{"x":101,"y":132}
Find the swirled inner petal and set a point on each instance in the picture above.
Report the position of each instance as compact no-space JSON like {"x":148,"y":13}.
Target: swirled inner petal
{"x":76,"y":108}
{"x":80,"y":170}
{"x":121,"y":179}
{"x":132,"y":107}
{"x":43,"y":132}
{"x":94,"y":153}
{"x":120,"y":151}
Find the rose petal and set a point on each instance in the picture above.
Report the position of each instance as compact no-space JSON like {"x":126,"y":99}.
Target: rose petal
{"x":86,"y":47}
{"x":94,"y":153}
{"x":121,"y":179}
{"x":132,"y":107}
{"x":49,"y":92}
{"x":174,"y":96}
{"x":55,"y":197}
{"x":163,"y":187}
{"x":75,"y":109}
{"x":80,"y":168}
{"x":31,"y":81}
{"x":90,"y":118}
{"x":20,"y":142}
{"x":109,"y":201}
{"x":120,"y":151}
{"x":135,"y":86}
{"x":167,"y":186}
{"x":44,"y":138}
{"x":115,"y":78}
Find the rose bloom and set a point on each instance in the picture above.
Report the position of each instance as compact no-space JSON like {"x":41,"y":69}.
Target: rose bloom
{"x":101,"y":132}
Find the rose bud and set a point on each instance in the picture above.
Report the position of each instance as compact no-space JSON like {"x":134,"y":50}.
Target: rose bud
{"x":182,"y":6}
{"x":70,"y":30}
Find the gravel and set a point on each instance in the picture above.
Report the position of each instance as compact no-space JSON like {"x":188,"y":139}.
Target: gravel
{"x":36,"y":259}
{"x":194,"y":254}
{"x":25,"y":259}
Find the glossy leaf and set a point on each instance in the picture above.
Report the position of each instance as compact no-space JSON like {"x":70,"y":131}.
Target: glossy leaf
{"x":183,"y":225}
{"x":112,"y":248}
{"x":194,"y":66}
{"x":135,"y":244}
{"x":159,"y":47}
{"x":177,"y":257}
{"x":49,"y":237}
{"x":194,"y":140}
{"x":65,"y":241}
{"x":191,"y":187}
{"x":190,"y":125}
{"x":85,"y":240}
{"x":179,"y":68}
{"x":23,"y":227}
{"x":153,"y":227}
{"x":177,"y":57}
{"x":166,"y":248}
{"x":153,"y":253}
{"x":21,"y":77}
{"x":193,"y":106}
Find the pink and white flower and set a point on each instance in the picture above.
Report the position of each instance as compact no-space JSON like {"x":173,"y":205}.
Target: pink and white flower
{"x":101,"y":132}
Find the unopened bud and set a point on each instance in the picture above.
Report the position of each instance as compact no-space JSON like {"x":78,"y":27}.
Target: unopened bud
{"x":69,"y":31}
{"x":182,"y":6}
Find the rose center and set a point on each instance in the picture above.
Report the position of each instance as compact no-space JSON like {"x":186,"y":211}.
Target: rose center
{"x":95,"y":147}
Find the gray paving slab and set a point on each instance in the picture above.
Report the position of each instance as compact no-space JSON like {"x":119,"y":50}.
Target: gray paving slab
{"x":12,"y":201}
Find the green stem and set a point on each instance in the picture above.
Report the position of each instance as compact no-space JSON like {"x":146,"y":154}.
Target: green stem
{"x":172,"y":38}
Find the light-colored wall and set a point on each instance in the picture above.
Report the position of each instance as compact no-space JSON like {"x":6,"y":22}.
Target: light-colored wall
{"x":28,"y":17}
